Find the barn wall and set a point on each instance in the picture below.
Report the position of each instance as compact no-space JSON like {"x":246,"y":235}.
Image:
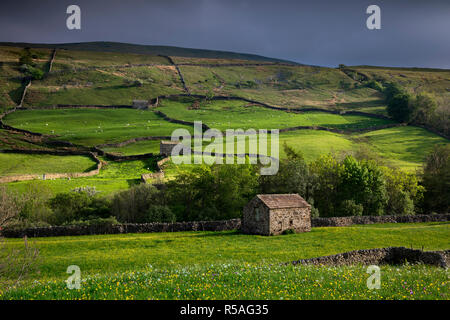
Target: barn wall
{"x":253,"y":223}
{"x":297,"y":219}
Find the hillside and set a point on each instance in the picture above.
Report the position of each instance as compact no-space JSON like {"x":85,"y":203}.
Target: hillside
{"x":318,"y":110}
{"x":104,"y":46}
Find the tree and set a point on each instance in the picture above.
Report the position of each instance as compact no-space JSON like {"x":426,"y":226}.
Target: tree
{"x":15,"y":263}
{"x":347,"y":185}
{"x":400,"y":107}
{"x":425,"y":105}
{"x":326,"y":174}
{"x":403,"y":191}
{"x":26,"y":57}
{"x":392,"y":89}
{"x":10,"y":206}
{"x":292,"y":177}
{"x":362,"y":182}
{"x":436,"y":180}
{"x":132,"y":205}
{"x":214,"y":192}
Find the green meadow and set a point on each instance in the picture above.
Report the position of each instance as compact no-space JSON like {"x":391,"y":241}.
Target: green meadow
{"x":91,"y":127}
{"x":67,"y":60}
{"x":404,"y":147}
{"x":234,"y":114}
{"x":104,"y":86}
{"x":16,"y":164}
{"x":190,"y":265}
{"x":113,"y":177}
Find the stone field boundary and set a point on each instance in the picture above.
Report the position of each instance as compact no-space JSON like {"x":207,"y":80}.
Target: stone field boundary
{"x":224,"y":225}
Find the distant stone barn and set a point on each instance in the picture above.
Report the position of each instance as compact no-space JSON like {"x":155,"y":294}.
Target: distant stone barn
{"x":166,"y":147}
{"x":140,"y":104}
{"x":271,"y":214}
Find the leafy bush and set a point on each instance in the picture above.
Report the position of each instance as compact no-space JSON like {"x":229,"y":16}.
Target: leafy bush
{"x":106,"y":222}
{"x":35,"y":73}
{"x":159,"y":213}
{"x":350,"y":208}
{"x":35,"y":205}
{"x":21,"y":224}
{"x":133,"y":204}
{"x":292,"y":177}
{"x":392,"y":89}
{"x":403,"y":191}
{"x":10,"y":206}
{"x":336,"y":181}
{"x":216,"y":192}
{"x":374,"y":85}
{"x":425,"y":106}
{"x":26,"y":57}
{"x":400,"y":107}
{"x":436,"y":180}
{"x":78,"y":205}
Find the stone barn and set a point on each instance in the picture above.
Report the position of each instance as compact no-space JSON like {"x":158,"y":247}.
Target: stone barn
{"x":140,"y":104}
{"x":271,"y":214}
{"x":165,"y":147}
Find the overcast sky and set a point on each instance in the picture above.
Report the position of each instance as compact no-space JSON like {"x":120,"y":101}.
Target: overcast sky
{"x":319,"y":32}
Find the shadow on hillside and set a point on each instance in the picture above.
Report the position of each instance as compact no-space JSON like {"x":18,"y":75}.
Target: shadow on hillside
{"x":361,"y":104}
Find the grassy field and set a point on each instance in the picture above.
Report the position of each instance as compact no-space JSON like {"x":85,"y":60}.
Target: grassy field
{"x":67,"y":60}
{"x":234,"y":114}
{"x":186,"y":262}
{"x":401,"y":147}
{"x":93,"y":126}
{"x":13,"y":140}
{"x":404,"y":147}
{"x":104,"y":86}
{"x":141,"y":147}
{"x":415,"y":80}
{"x":16,"y":163}
{"x":113,"y":177}
{"x":294,"y":87}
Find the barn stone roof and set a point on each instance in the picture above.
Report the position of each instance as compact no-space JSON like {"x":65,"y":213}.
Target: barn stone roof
{"x":279,"y":201}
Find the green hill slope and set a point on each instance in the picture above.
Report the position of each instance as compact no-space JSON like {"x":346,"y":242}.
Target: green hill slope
{"x":103,"y":46}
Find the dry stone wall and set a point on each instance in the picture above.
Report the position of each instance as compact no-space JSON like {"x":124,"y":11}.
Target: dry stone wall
{"x":391,"y":255}
{"x":124,"y":228}
{"x":348,"y":221}
{"x":233,"y":224}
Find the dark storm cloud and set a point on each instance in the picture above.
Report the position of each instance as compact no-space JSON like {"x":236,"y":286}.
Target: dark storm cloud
{"x":414,"y":33}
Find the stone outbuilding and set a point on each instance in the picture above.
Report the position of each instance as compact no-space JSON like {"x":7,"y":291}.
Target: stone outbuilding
{"x":166,"y":146}
{"x":271,"y":214}
{"x":140,"y":104}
